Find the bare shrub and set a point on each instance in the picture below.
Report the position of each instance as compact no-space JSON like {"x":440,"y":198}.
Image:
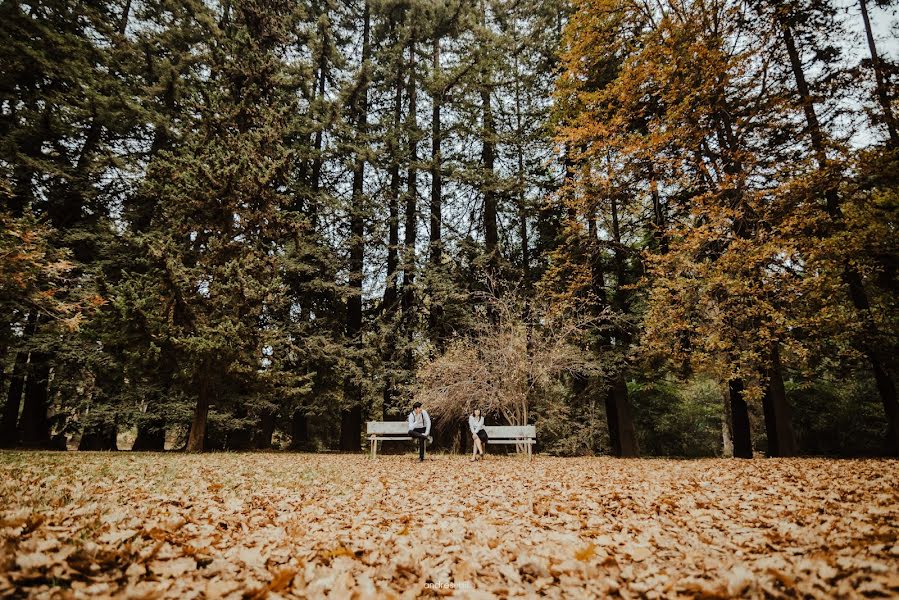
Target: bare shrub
{"x":515,"y":349}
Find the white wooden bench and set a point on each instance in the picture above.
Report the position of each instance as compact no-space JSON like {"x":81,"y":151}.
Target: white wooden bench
{"x":386,"y":430}
{"x":525,"y":435}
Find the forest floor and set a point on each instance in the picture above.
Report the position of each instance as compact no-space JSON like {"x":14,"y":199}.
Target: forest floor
{"x":305,"y":525}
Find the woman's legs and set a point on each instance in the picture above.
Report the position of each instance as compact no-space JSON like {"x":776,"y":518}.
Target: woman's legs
{"x":477,"y":445}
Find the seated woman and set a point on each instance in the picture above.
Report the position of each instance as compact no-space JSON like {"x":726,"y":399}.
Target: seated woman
{"x":478,"y":433}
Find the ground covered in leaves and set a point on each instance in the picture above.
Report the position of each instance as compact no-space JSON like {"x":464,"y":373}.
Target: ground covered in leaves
{"x":298,"y":525}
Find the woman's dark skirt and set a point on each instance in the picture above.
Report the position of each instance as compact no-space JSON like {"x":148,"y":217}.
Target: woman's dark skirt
{"x":483,"y":435}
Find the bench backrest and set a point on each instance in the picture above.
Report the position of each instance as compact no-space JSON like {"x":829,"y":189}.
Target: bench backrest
{"x":387,"y":427}
{"x":501,"y":432}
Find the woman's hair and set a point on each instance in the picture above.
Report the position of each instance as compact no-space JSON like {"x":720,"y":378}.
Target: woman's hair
{"x":474,"y":410}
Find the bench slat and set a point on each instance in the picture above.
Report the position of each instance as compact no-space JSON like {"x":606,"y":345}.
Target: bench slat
{"x":387,"y":427}
{"x":511,"y":431}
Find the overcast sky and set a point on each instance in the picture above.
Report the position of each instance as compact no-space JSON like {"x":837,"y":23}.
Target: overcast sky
{"x":883,"y":21}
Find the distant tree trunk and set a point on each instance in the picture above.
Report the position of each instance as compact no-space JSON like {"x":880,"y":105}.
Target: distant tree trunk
{"x":742,"y":434}
{"x":126,"y":13}
{"x":435,"y":314}
{"x":235,"y":439}
{"x":727,"y":432}
{"x":150,"y":437}
{"x":597,"y":268}
{"x":886,"y":386}
{"x":488,"y":159}
{"x":622,"y":435}
{"x":393,"y":235}
{"x":197,"y":434}
{"x":299,"y":431}
{"x":8,"y":434}
{"x":318,"y":142}
{"x":436,"y":166}
{"x":882,"y":95}
{"x":351,"y":418}
{"x":23,"y":173}
{"x":351,"y":429}
{"x":409,"y":234}
{"x":778,"y":417}
{"x":100,"y":437}
{"x":34,"y":426}
{"x":393,"y":238}
{"x":887,"y":389}
{"x":626,"y":444}
{"x":659,"y":218}
{"x":522,"y":209}
{"x":262,"y":438}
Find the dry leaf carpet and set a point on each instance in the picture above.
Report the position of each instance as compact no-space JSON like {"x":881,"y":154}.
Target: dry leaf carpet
{"x":299,"y":525}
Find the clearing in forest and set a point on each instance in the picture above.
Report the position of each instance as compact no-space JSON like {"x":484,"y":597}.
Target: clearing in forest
{"x":303,"y":525}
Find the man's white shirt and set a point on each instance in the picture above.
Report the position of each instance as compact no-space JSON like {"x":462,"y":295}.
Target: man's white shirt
{"x":425,"y":421}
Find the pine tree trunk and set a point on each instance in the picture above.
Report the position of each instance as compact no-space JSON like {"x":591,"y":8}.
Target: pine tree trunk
{"x":778,"y":416}
{"x":627,"y":437}
{"x":318,"y":143}
{"x":886,"y":386}
{"x":727,"y":432}
{"x":235,"y":439}
{"x":597,"y":268}
{"x":742,"y":433}
{"x":436,"y":166}
{"x":389,"y":305}
{"x":23,"y":173}
{"x":436,"y":309}
{"x":352,"y":417}
{"x":351,"y":429}
{"x":150,"y":437}
{"x":393,"y":235}
{"x":622,"y":435}
{"x":522,"y":209}
{"x":659,"y":218}
{"x":262,"y":438}
{"x":34,"y":426}
{"x":882,"y":95}
{"x":197,"y":436}
{"x":8,"y":433}
{"x":410,"y":232}
{"x":488,"y":159}
{"x":142,"y":210}
{"x":299,"y":431}
{"x":100,"y":437}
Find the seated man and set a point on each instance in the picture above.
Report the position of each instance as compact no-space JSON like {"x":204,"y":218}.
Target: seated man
{"x":420,"y":427}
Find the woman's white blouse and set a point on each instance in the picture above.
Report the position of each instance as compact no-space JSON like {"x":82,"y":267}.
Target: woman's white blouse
{"x":475,"y":423}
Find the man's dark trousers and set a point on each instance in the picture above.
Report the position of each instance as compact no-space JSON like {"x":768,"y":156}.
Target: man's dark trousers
{"x":419,"y":432}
